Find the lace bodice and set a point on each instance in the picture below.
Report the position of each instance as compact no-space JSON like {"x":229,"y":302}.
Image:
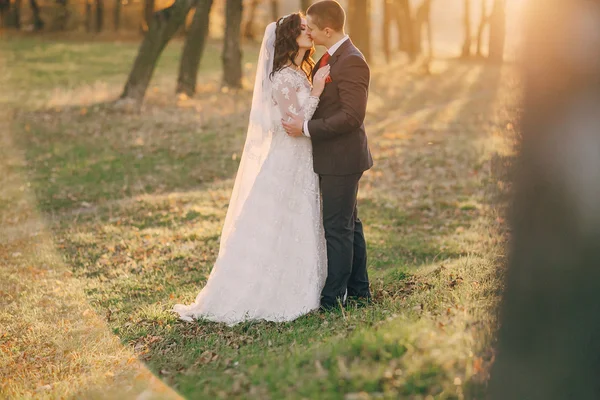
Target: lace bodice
{"x":291,"y":93}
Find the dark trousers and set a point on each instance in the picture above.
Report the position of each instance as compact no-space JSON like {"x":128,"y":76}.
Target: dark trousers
{"x":346,"y":246}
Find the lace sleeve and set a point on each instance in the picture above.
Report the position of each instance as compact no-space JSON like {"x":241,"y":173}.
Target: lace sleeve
{"x":285,"y":86}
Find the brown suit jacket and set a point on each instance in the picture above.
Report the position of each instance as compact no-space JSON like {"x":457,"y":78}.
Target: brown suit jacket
{"x":337,"y":128}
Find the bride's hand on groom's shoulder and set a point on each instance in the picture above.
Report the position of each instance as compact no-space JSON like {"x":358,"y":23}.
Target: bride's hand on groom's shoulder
{"x":320,"y":80}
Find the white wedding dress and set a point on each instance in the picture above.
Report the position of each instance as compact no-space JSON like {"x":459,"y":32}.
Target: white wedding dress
{"x":272,"y":260}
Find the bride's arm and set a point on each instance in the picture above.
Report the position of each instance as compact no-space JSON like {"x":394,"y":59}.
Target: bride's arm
{"x":286,"y":97}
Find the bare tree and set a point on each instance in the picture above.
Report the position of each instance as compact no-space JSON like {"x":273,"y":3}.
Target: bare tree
{"x":17,"y":14}
{"x":249,"y":25}
{"x":164,"y":25}
{"x":38,"y":23}
{"x":406,"y":29}
{"x":466,"y":48}
{"x":423,"y":20}
{"x":387,"y":18}
{"x":99,"y":15}
{"x":194,"y":48}
{"x":483,"y":21}
{"x":275,"y":10}
{"x":88,"y":15}
{"x":63,"y":15}
{"x":549,"y":337}
{"x":4,"y":9}
{"x":304,"y":4}
{"x":117,"y":15}
{"x":232,"y":51}
{"x":359,"y":21}
{"x":497,"y":31}
{"x":148,"y":13}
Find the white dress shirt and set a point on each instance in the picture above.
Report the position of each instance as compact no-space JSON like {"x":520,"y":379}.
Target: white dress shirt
{"x":331,"y":52}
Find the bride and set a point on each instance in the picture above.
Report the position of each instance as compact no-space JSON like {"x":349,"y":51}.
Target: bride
{"x":272,"y":260}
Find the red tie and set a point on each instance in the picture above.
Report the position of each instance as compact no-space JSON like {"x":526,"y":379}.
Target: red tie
{"x":323,"y":63}
{"x":324,"y":60}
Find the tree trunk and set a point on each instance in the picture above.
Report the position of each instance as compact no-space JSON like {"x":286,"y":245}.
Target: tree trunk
{"x":423,"y":17}
{"x":232,"y":52}
{"x":4,"y":7}
{"x":148,"y":13}
{"x":38,"y":23}
{"x":88,"y":15}
{"x":406,"y":29}
{"x":304,"y":4}
{"x":359,"y":19}
{"x":4,"y":10}
{"x":497,"y":32}
{"x":99,"y":15}
{"x":482,"y":23}
{"x":164,"y":25}
{"x":275,"y":10}
{"x":386,"y":29}
{"x":194,"y":48}
{"x":549,"y":337}
{"x":117,"y":15}
{"x":249,"y":25}
{"x":63,"y":17}
{"x":466,"y":48}
{"x":17,"y":14}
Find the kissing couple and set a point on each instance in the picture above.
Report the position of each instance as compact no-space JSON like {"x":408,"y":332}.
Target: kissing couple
{"x":292,"y":241}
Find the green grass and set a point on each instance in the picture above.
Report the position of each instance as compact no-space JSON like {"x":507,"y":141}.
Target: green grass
{"x":135,"y":203}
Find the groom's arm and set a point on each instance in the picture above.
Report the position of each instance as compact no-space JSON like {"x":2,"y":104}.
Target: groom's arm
{"x":353,"y":87}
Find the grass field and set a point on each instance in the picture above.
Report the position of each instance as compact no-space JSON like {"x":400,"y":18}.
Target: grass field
{"x":109,"y":218}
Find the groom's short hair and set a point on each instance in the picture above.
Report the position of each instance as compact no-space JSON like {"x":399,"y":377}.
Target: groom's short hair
{"x":327,"y":14}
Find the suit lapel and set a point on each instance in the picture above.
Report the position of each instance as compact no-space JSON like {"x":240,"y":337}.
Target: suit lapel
{"x":333,"y":59}
{"x":341,"y":50}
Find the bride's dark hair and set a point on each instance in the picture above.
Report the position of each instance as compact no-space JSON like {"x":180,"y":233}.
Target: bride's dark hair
{"x":286,"y":47}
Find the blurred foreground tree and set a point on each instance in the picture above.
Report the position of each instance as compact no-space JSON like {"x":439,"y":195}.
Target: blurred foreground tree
{"x":549,"y":337}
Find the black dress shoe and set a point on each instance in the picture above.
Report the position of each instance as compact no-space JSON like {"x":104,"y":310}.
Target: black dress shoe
{"x":360,"y":301}
{"x":359,"y":295}
{"x":329,"y":307}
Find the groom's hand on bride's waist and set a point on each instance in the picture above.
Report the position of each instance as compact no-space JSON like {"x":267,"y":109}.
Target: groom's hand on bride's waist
{"x":293,"y":125}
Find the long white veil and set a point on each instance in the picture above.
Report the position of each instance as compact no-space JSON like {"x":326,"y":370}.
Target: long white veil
{"x":258,"y":138}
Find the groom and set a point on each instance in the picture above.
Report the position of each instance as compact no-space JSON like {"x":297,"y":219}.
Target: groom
{"x":340,"y":151}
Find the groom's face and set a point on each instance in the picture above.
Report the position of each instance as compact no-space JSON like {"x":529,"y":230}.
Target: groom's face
{"x":317,"y":35}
